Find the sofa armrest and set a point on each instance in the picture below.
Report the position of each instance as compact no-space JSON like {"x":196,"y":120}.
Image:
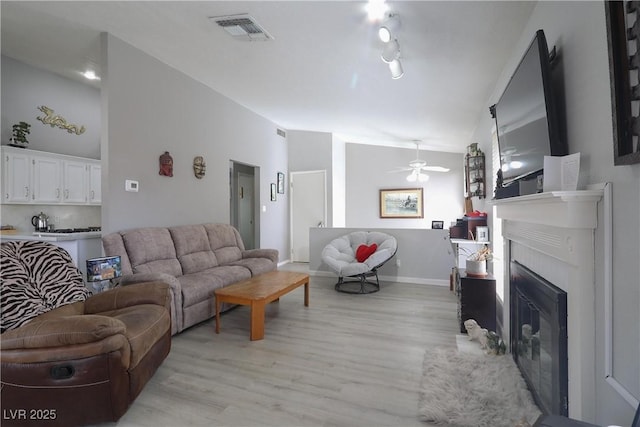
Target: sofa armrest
{"x":61,"y":331}
{"x":174,"y":287}
{"x":271,"y":254}
{"x":113,"y":344}
{"x":128,"y":296}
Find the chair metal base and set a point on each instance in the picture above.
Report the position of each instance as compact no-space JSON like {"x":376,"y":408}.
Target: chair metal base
{"x":359,"y":286}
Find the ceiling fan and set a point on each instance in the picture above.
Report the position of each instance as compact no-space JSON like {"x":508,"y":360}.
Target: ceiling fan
{"x":417,"y":166}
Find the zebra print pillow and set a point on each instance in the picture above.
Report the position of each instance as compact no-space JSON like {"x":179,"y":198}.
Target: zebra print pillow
{"x":36,"y":277}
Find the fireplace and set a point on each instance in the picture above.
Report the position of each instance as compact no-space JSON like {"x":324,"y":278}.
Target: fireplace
{"x":539,"y":337}
{"x":553,"y":235}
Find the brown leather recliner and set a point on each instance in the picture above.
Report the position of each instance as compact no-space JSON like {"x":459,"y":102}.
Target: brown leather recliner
{"x":86,"y":361}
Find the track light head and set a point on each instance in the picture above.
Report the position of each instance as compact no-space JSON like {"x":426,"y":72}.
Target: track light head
{"x":386,"y":32}
{"x":396,"y":69}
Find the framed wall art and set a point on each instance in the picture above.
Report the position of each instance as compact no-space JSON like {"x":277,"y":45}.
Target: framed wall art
{"x":273,"y":192}
{"x":401,"y":203}
{"x":482,"y":233}
{"x":625,"y":81}
{"x":280,"y":183}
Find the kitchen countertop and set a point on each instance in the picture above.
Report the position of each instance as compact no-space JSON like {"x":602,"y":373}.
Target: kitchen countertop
{"x":53,"y":237}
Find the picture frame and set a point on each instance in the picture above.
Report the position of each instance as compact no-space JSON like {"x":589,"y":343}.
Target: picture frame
{"x":482,"y":233}
{"x":280,"y":183}
{"x":273,"y":192}
{"x":401,"y":203}
{"x":437,"y":225}
{"x":623,"y":78}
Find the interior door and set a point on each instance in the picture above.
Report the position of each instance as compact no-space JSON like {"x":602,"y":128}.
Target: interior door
{"x":245,"y":209}
{"x":308,"y":209}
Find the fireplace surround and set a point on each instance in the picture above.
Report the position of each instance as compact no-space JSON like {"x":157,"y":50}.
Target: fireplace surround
{"x":553,"y":235}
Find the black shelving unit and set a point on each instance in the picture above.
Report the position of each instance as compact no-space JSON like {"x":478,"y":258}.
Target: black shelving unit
{"x":475,"y":176}
{"x":476,"y":300}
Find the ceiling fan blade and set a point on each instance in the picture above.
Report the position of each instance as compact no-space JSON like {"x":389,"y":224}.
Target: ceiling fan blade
{"x":400,"y":170}
{"x":435,"y":169}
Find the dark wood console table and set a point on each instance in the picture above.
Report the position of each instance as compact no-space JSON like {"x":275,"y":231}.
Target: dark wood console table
{"x":476,"y":299}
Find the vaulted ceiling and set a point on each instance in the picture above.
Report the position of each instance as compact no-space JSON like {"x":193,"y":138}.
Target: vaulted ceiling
{"x":322,"y":70}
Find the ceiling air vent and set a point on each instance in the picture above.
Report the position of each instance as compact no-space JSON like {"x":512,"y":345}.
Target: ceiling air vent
{"x":281,"y":133}
{"x":242,"y":27}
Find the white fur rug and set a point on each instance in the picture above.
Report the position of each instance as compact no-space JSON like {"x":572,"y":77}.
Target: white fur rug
{"x":471,"y":390}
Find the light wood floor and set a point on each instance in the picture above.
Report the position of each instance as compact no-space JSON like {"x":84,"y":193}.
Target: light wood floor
{"x":346,"y":360}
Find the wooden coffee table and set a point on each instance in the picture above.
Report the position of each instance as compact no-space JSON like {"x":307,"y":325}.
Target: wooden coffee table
{"x":258,"y":292}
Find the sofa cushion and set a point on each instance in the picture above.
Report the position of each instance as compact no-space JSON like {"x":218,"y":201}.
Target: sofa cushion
{"x":256,"y":265}
{"x":145,"y":325}
{"x":192,"y":248}
{"x":197,"y":287}
{"x":225,"y":242}
{"x":230,"y":274}
{"x":151,"y":250}
{"x":36,"y":277}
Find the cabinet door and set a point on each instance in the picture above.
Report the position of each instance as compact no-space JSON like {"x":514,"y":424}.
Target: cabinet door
{"x":16,"y":177}
{"x":47,"y":180}
{"x":74,"y":178}
{"x":95,"y":179}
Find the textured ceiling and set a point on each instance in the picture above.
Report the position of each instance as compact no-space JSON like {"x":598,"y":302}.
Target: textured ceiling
{"x":322,"y":72}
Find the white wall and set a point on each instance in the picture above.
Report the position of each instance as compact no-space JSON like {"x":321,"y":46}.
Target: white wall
{"x":339,"y":177}
{"x":368,"y":169}
{"x":24,"y":88}
{"x":578,"y":30}
{"x":150,"y":108}
{"x":313,"y":151}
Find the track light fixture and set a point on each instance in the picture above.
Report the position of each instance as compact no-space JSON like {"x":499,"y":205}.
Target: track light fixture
{"x":391,"y":51}
{"x":386,"y":32}
{"x":396,"y":69}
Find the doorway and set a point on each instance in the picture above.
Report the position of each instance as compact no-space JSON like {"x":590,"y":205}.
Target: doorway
{"x":243,"y":180}
{"x":308,"y":209}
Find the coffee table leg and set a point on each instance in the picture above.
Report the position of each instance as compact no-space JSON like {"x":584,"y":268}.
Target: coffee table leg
{"x":306,"y":294}
{"x":217,"y":315}
{"x":257,"y":320}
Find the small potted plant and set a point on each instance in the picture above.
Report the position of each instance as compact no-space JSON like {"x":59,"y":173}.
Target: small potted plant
{"x":477,"y":262}
{"x":20,"y":132}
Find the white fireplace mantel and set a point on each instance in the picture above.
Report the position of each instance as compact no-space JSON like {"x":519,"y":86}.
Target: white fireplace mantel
{"x":565,"y":209}
{"x":553,"y":235}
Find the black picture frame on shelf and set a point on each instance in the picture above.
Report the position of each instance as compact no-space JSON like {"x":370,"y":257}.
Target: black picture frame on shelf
{"x":437,"y":225}
{"x":626,"y":125}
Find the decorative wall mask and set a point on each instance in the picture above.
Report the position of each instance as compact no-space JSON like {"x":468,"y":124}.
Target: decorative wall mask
{"x":166,"y":164}
{"x":58,"y":121}
{"x":199,"y":167}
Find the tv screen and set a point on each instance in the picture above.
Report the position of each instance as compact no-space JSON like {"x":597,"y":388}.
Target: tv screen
{"x":105,"y":268}
{"x":526,"y":116}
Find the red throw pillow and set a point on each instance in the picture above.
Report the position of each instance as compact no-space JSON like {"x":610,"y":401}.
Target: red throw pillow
{"x":363,"y":252}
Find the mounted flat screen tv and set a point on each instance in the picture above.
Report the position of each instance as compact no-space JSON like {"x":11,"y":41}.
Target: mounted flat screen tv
{"x":526,"y":117}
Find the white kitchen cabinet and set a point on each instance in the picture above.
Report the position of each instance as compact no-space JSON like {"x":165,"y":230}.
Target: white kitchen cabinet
{"x":74,"y":180}
{"x":38,"y":177}
{"x":16,"y":176}
{"x":95,"y":183}
{"x":47,"y":180}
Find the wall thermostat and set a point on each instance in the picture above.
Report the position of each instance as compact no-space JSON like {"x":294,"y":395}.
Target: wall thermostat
{"x":130,"y":185}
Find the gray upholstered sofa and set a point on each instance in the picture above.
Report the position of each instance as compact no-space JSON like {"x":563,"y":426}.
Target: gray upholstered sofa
{"x":193,"y":259}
